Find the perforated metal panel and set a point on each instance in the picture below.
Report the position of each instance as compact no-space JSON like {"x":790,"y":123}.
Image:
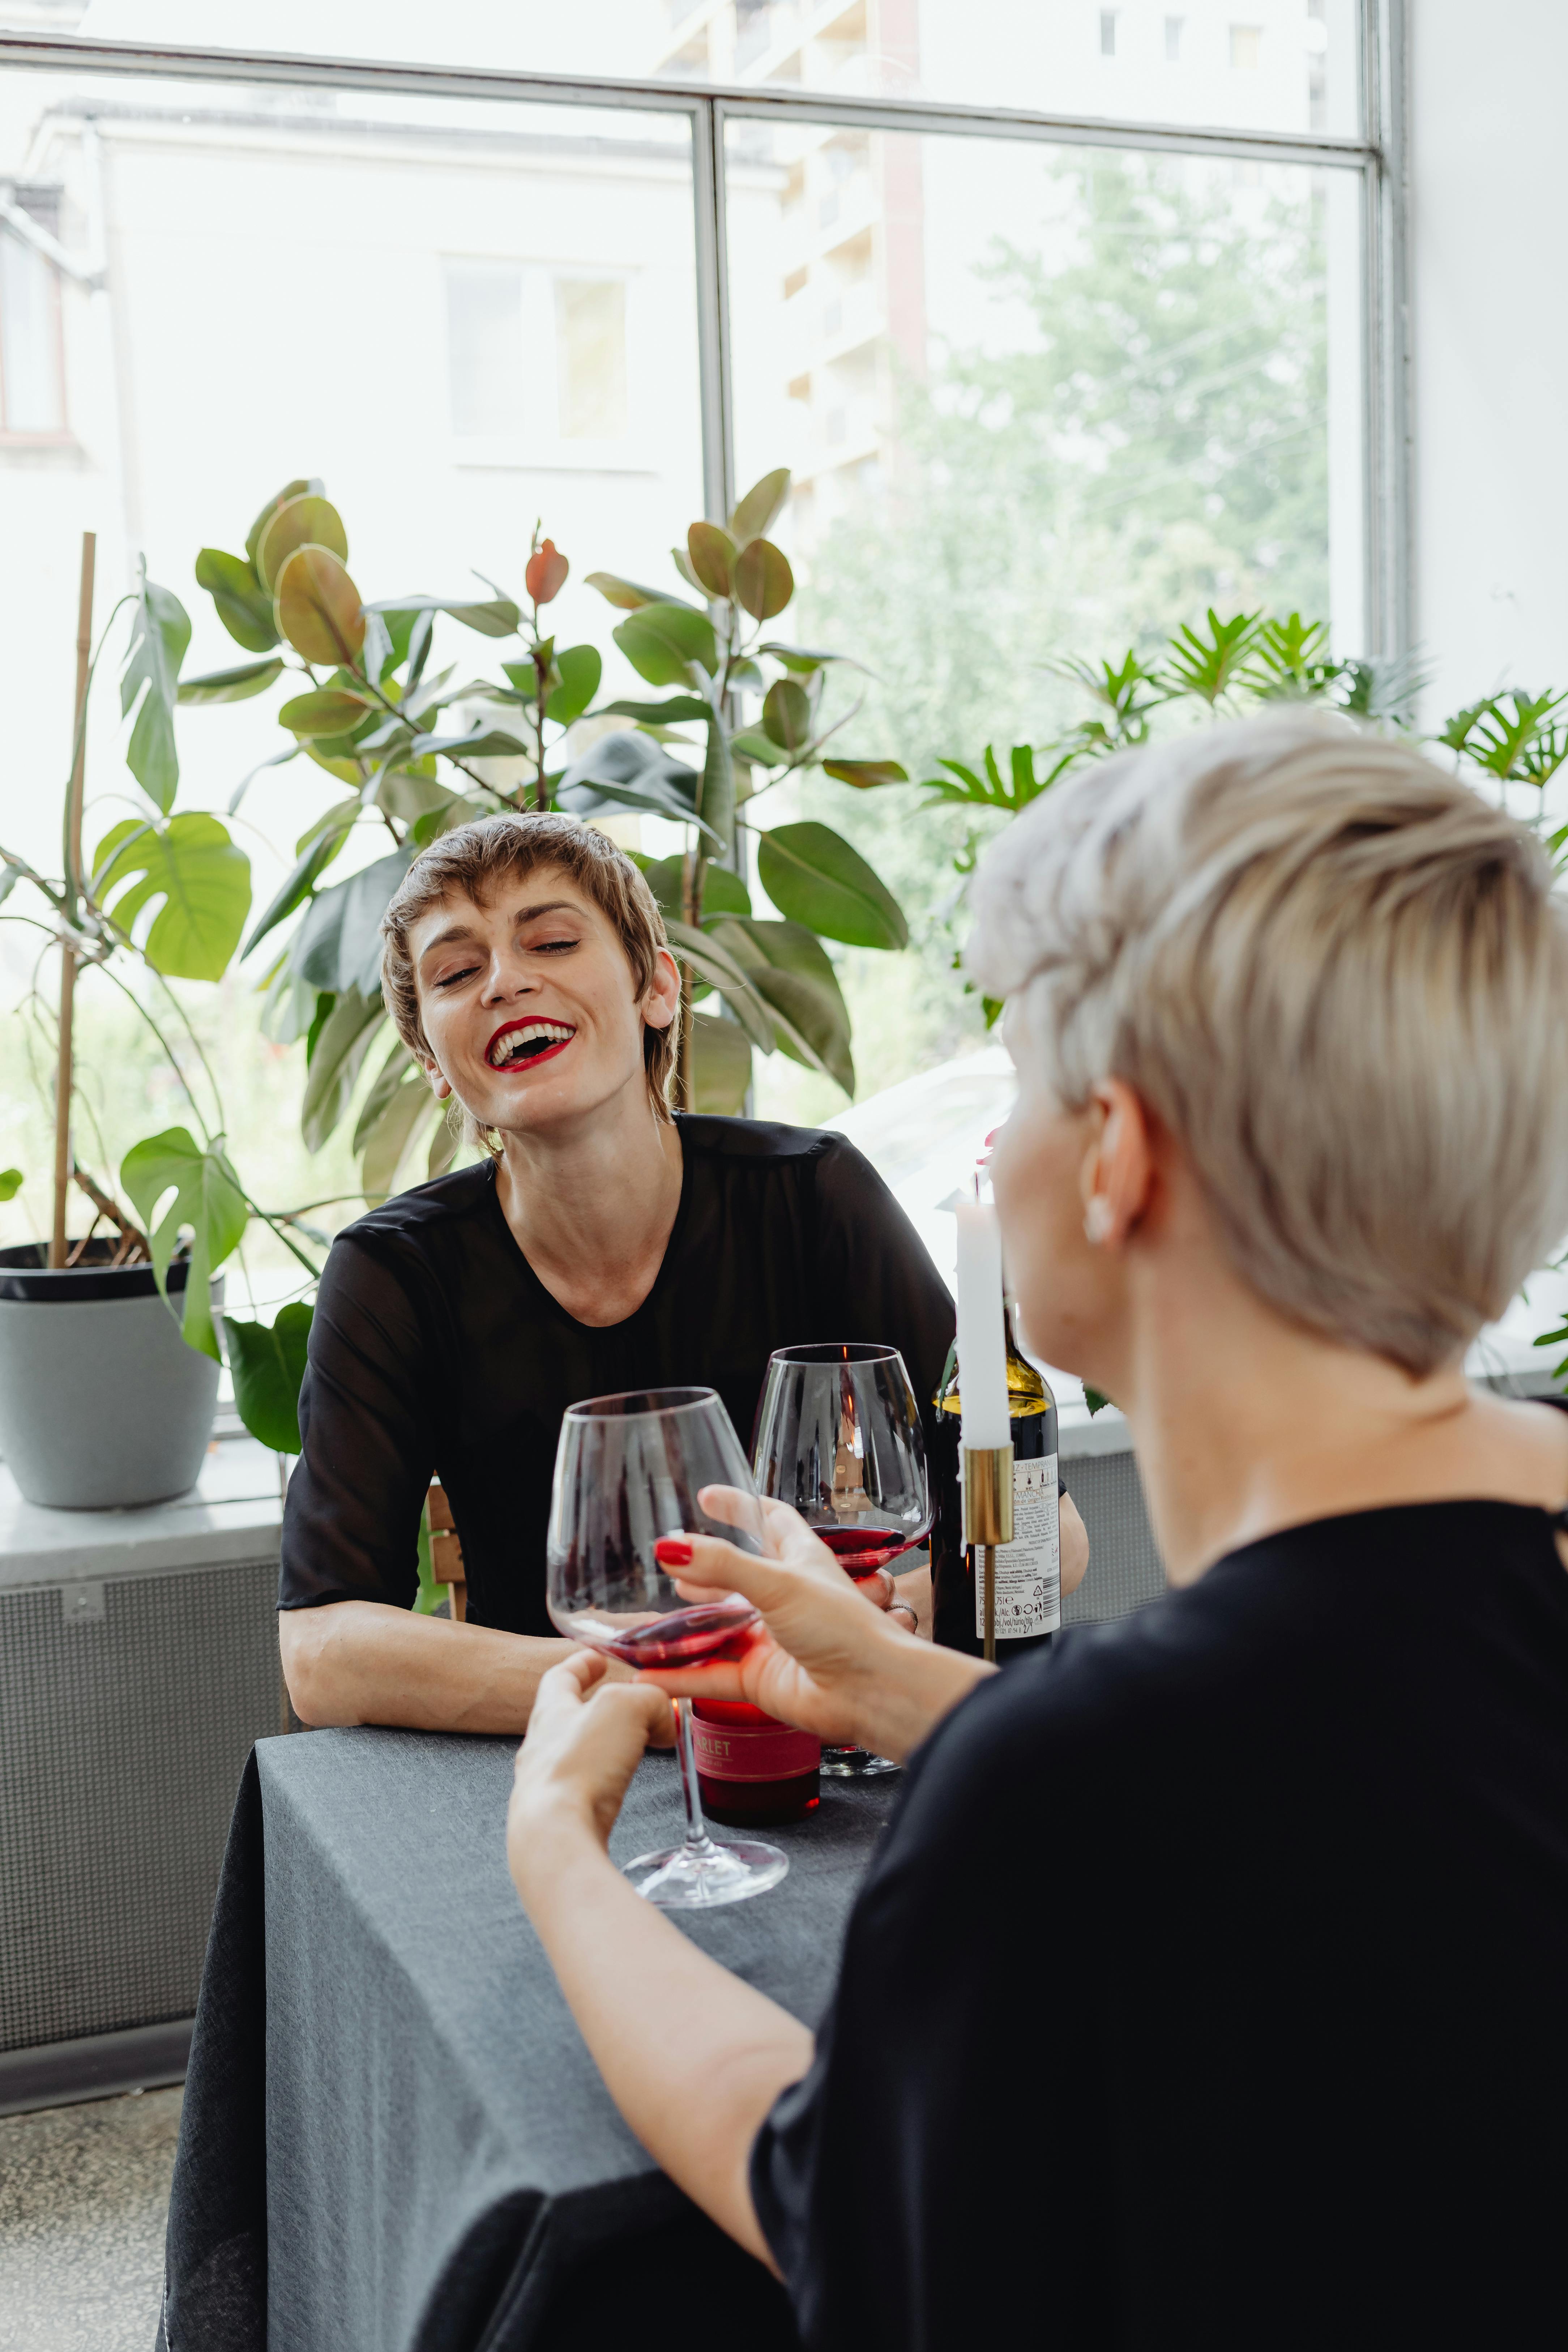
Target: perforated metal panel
{"x":127,"y":1710}
{"x":1124,"y":1570}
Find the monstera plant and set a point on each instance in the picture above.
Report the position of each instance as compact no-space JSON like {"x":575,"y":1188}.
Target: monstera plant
{"x":414,"y":752}
{"x":161,"y":897}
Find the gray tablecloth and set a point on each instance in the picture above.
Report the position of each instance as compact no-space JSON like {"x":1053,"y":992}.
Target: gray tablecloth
{"x":392,"y":2135}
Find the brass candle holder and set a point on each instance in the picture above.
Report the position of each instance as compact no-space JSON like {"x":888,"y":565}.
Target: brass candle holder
{"x":988,"y":1517}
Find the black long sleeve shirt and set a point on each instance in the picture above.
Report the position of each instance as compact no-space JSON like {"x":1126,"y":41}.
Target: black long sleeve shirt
{"x":436,"y":1350}
{"x":1210,"y":1988}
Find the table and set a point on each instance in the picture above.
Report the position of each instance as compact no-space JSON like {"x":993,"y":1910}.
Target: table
{"x":394,"y":2137}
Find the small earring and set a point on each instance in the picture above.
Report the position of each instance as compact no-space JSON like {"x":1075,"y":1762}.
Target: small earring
{"x":1096,"y":1221}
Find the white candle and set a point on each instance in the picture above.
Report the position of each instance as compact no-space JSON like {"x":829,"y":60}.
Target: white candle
{"x":981,"y":1349}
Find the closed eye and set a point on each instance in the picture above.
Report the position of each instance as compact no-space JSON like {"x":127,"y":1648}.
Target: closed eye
{"x":450,"y":979}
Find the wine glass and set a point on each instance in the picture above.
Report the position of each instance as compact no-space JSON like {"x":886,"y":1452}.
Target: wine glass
{"x":630,"y":1469}
{"x":839,"y":1440}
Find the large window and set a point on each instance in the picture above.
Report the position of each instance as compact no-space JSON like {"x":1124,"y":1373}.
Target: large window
{"x":1069,"y":322}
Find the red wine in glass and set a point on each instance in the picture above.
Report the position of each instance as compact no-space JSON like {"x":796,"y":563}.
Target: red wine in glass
{"x":838,"y":1439}
{"x":706,"y":1631}
{"x":862,"y":1550}
{"x":630,"y":1470}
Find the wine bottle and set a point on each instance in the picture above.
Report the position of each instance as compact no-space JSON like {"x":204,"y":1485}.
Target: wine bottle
{"x":1029,"y":1570}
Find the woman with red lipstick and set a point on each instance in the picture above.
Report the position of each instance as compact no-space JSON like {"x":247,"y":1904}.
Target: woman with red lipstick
{"x":599,"y":1244}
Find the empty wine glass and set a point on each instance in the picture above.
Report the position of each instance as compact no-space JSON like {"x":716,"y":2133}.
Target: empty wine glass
{"x":839,"y":1440}
{"x":630,"y":1469}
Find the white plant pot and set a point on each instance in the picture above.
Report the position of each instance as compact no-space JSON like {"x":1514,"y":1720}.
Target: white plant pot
{"x":102,"y":1406}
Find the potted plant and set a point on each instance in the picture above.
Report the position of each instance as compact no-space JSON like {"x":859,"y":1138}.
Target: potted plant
{"x":414,"y":750}
{"x":108,"y":1343}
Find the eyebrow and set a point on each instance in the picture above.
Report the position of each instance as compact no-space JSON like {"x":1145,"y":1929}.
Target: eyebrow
{"x":456,"y":932}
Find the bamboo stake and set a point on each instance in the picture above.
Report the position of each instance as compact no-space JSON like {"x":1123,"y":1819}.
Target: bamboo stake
{"x":63,"y":1072}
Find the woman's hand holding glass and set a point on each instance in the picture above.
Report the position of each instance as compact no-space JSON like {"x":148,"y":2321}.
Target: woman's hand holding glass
{"x":825,"y":1657}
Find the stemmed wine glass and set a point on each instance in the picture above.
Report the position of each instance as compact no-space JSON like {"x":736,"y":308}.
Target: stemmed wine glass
{"x":839,"y":1440}
{"x":630,"y":1469}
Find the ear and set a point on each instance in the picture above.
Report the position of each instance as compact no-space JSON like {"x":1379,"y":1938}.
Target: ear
{"x":1117,"y":1177}
{"x":662,"y":1001}
{"x":441,"y":1085}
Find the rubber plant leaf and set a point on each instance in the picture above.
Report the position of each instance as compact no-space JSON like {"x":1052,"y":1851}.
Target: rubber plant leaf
{"x":763,"y":581}
{"x":663,"y":641}
{"x":580,"y":668}
{"x":297,"y":490}
{"x":231,"y":685}
{"x":813,"y":876}
{"x":242,"y":604}
{"x":711,"y":554}
{"x":337,"y":1057}
{"x":759,"y":509}
{"x":316,"y":854}
{"x":308,"y":521}
{"x":721,"y":1066}
{"x":317,"y":606}
{"x":338,"y":945}
{"x":149,"y":684}
{"x":203,"y":880}
{"x":866,"y":774}
{"x":630,"y":595}
{"x":207,"y":1198}
{"x":266,"y":1361}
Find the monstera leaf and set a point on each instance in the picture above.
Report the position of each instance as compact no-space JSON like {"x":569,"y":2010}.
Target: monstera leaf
{"x":207,"y":1198}
{"x":204,"y":881}
{"x":268,"y":1365}
{"x":159,"y":635}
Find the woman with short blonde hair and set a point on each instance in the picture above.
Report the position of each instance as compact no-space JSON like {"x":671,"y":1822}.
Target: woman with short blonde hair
{"x":1208,"y":1987}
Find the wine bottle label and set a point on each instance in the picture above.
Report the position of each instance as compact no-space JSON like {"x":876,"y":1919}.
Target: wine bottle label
{"x":753,"y":1752}
{"x":1029,"y":1568}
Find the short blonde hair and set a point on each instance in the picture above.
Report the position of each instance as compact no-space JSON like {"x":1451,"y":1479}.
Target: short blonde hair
{"x":474,"y":861}
{"x":1341,"y":979}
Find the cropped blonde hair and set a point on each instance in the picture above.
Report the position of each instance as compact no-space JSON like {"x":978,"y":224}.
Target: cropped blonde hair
{"x":474,"y":861}
{"x":1341,"y":979}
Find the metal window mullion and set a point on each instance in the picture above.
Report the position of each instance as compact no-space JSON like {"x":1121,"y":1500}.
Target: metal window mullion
{"x":716,"y":373}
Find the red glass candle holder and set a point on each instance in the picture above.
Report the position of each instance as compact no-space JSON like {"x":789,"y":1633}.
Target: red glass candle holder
{"x":751,"y":1768}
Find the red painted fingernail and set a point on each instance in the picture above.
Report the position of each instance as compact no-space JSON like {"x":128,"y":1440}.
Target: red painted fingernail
{"x":672,"y":1551}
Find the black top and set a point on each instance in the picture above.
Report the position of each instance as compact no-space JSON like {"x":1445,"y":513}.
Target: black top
{"x":435,"y":1349}
{"x":1211,"y":1987}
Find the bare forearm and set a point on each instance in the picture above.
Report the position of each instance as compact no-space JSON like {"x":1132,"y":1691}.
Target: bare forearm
{"x":906,"y":1689}
{"x":692,"y":2057}
{"x":365,"y":1661}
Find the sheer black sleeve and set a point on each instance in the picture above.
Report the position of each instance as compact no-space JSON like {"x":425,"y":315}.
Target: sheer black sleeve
{"x":350,"y":1525}
{"x":874,"y":1274}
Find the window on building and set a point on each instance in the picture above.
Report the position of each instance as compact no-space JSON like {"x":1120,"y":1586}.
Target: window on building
{"x":1173,"y":39}
{"x":1108,"y":32}
{"x":1245,"y":47}
{"x":32,"y":388}
{"x":485,"y":348}
{"x":591,"y":358}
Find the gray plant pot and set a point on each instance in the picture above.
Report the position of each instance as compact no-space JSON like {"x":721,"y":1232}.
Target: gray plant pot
{"x":102,"y":1406}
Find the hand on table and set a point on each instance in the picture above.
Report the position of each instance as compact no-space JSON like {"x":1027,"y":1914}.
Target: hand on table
{"x":827,"y":1657}
{"x":585,"y":1740}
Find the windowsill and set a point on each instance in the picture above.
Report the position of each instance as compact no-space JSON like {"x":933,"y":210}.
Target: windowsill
{"x":60,"y":449}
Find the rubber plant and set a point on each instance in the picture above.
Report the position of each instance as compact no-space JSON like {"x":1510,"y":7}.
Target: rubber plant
{"x":414,"y":751}
{"x":757,"y":703}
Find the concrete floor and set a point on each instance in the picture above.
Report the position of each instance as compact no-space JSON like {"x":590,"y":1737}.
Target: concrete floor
{"x":84,"y":2193}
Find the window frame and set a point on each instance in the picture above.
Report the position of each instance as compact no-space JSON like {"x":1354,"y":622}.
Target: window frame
{"x":42,"y":436}
{"x":1376,"y":154}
